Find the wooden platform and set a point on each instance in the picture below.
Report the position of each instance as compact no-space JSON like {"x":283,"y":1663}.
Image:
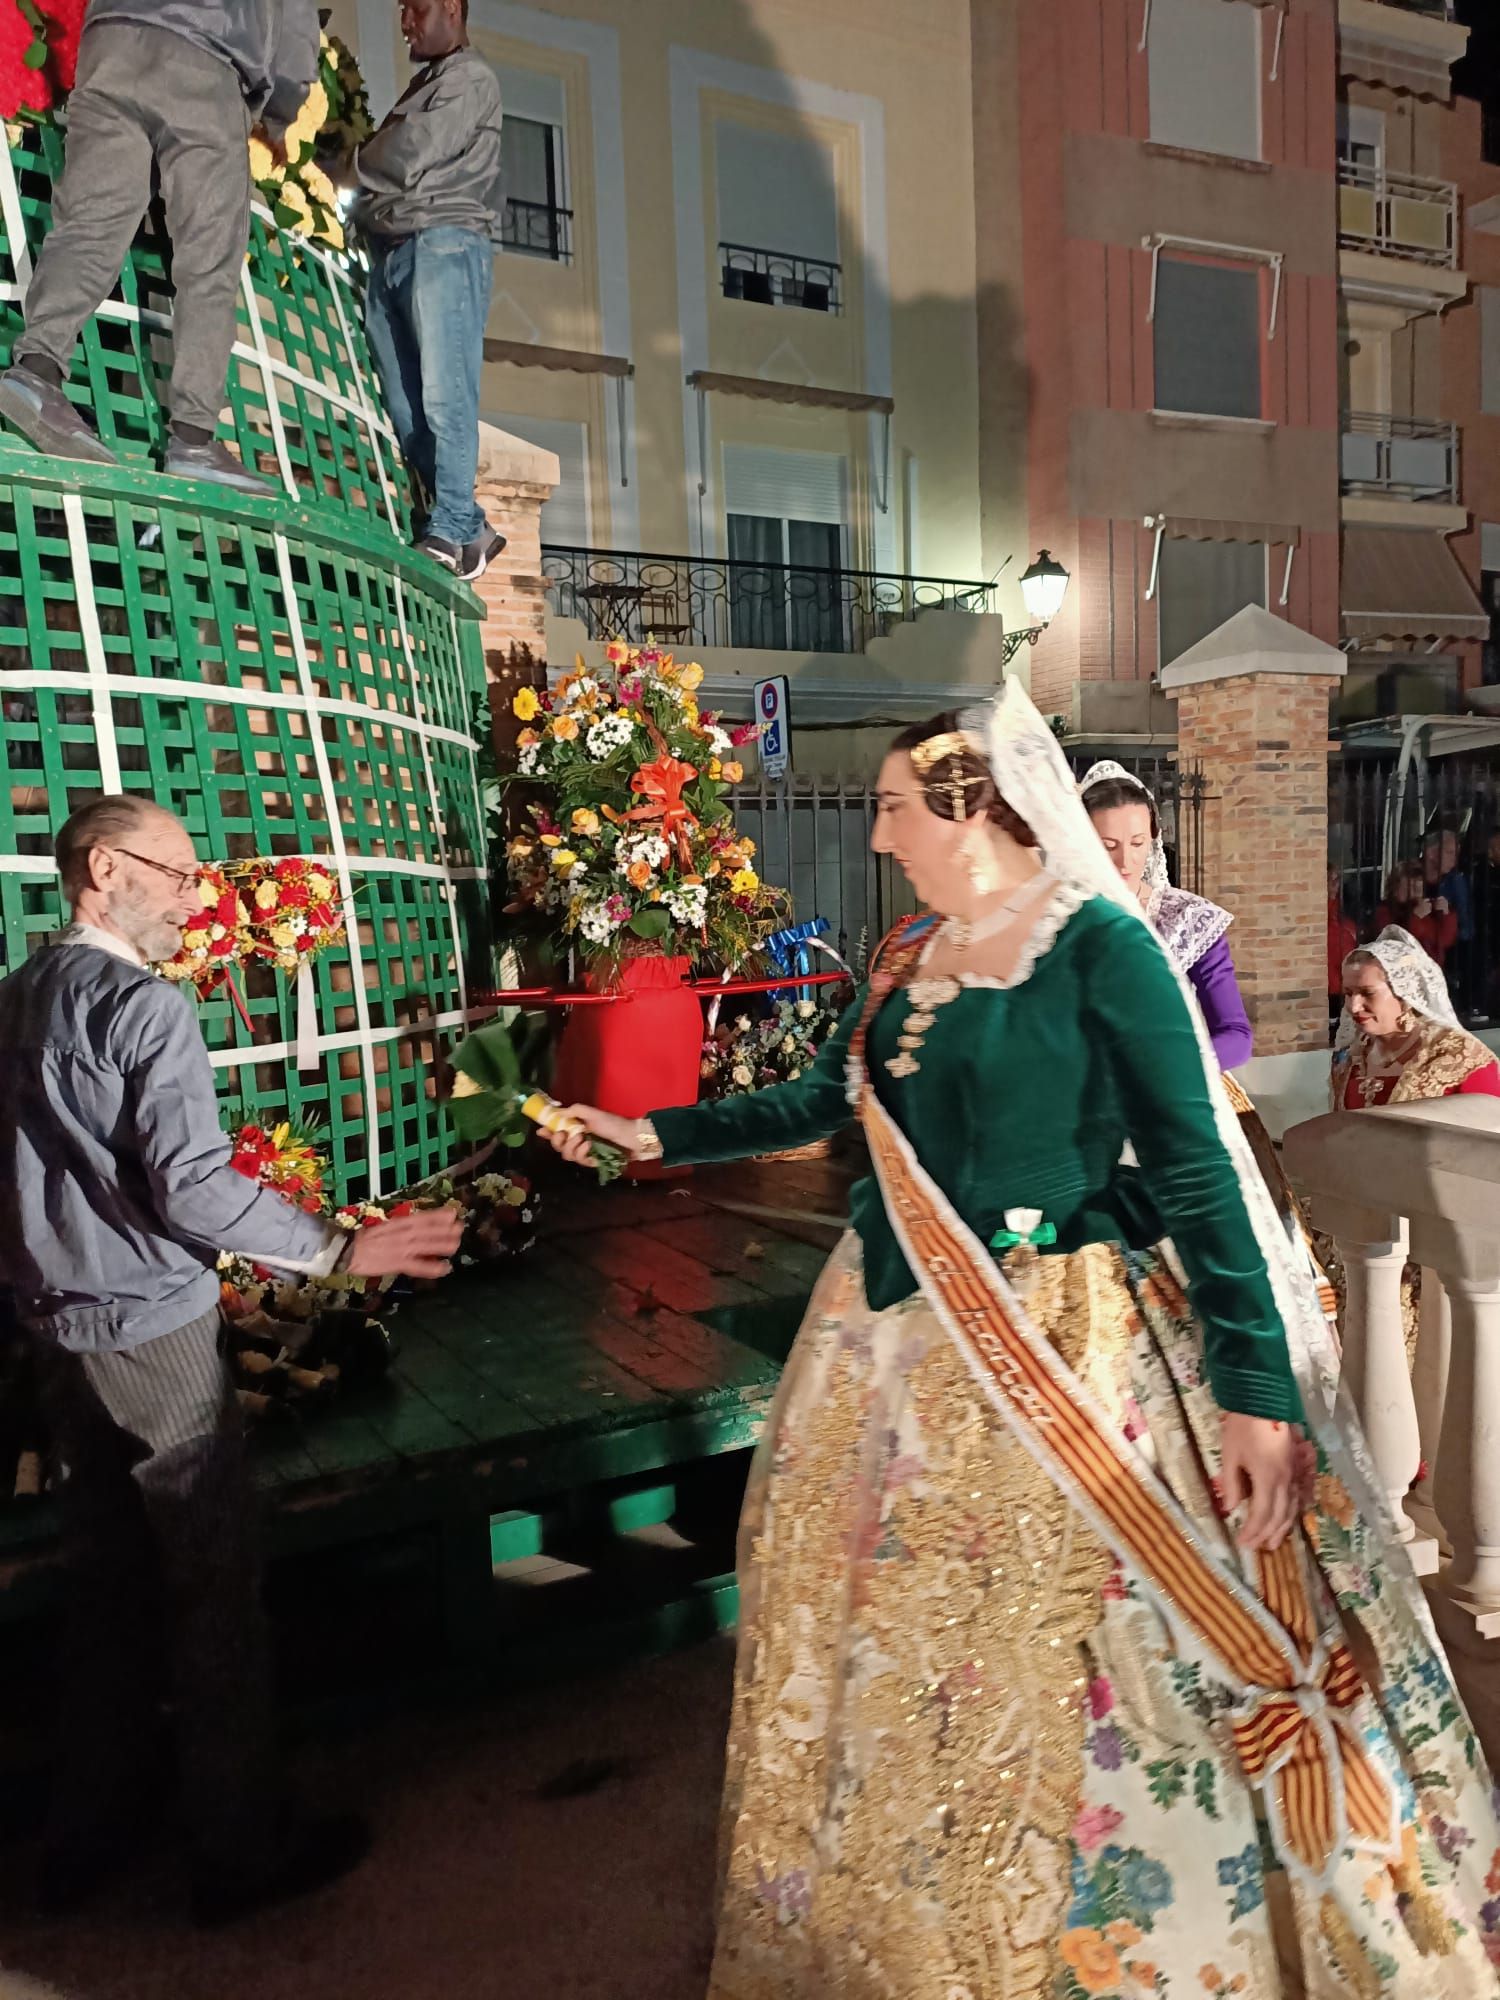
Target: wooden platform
{"x":594,"y":1392}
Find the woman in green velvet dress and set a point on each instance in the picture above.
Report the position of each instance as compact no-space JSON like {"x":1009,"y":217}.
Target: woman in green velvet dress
{"x":1077,"y":1654}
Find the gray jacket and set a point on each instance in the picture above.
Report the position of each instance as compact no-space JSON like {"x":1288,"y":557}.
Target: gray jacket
{"x":273,"y":44}
{"x":435,"y":162}
{"x":116,"y":1192}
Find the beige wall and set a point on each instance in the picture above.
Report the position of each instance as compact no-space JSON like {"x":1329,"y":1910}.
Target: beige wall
{"x":872,"y":74}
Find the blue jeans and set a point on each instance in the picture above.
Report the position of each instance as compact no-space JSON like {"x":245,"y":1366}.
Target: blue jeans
{"x":425,"y":312}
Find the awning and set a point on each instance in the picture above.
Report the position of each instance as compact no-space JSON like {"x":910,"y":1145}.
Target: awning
{"x":1406,"y":584}
{"x":1378,"y":59}
{"x":1194,"y":528}
{"x":568,"y":360}
{"x":805,"y":393}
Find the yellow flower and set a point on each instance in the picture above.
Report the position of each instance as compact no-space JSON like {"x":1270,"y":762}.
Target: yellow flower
{"x":208,"y":895}
{"x":691,"y":676}
{"x":267,"y":895}
{"x":564,"y":727}
{"x":263,"y":166}
{"x":514,"y":1197}
{"x":690,"y":708}
{"x":552,"y":840}
{"x":290,"y":195}
{"x":732,"y":773}
{"x":585,"y":821}
{"x":318,"y":185}
{"x":283,"y":937}
{"x":744,"y":883}
{"x":715,"y":768}
{"x":747,"y":845}
{"x":319,"y":888}
{"x":526,"y":704}
{"x":309,"y":121}
{"x":563,"y":857}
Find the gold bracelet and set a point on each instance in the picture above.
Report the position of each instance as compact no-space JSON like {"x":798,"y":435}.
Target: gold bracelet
{"x":647,"y":1146}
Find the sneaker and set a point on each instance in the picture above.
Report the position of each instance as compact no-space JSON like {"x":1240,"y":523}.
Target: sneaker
{"x":449,"y":554}
{"x":477,"y":555}
{"x":319,"y":1852}
{"x":217,"y":463}
{"x":44,"y":416}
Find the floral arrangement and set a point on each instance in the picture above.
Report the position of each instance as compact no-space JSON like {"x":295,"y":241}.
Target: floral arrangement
{"x":633,"y":842}
{"x":284,"y":1159}
{"x":293,"y":910}
{"x":216,"y":942}
{"x":747,"y":1054}
{"x":334,"y":119}
{"x":38,"y":54}
{"x":281,"y":913}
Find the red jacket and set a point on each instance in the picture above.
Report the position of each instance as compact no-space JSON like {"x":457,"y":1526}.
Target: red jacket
{"x":1436,"y":935}
{"x":1342,"y":939}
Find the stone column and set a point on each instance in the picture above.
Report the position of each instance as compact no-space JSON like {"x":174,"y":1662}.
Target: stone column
{"x":1429,"y":1387}
{"x":1377,"y":1377}
{"x":514,"y":480}
{"x":1261,"y":741}
{"x":1467,"y":1483}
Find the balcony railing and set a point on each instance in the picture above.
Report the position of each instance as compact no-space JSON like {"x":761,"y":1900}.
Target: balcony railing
{"x":709,"y":601}
{"x":537,"y":229}
{"x":775,"y":278}
{"x":1435,"y":10}
{"x":1398,"y":458}
{"x":1397,"y":215}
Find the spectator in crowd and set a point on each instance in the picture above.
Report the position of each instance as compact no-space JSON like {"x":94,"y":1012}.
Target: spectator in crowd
{"x":1487,"y":924}
{"x":171,"y":89}
{"x":1342,"y":938}
{"x":1408,"y":902}
{"x":116,"y":1197}
{"x":1446,"y":881}
{"x":428,"y":209}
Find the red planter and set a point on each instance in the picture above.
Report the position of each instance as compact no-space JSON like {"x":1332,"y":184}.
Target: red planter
{"x":640,"y":1054}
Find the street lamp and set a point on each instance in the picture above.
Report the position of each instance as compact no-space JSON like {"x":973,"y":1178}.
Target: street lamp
{"x":1043,"y":588}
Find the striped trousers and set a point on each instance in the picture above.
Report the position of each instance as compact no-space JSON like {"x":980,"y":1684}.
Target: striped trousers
{"x":160,"y":1536}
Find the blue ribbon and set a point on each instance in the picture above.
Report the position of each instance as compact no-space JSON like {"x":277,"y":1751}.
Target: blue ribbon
{"x":788,"y":949}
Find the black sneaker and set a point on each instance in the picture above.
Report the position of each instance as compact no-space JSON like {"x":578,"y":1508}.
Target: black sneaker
{"x":217,"y":463}
{"x":449,"y":554}
{"x":44,"y":416}
{"x":476,"y":556}
{"x":318,"y":1852}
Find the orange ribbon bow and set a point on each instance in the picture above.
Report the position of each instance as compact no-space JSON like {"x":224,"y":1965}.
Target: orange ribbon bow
{"x":1291,"y":1742}
{"x":661,"y":785}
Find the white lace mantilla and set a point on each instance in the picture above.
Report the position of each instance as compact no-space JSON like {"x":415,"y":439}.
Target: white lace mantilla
{"x":1189,"y":926}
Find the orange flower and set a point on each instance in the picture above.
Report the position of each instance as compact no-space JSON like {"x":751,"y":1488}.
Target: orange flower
{"x":1211,"y":1977}
{"x":1143,"y":1971}
{"x":526,"y":738}
{"x":733,"y":772}
{"x":564,"y":727}
{"x":638,"y":874}
{"x":1333,"y":1499}
{"x":617,"y":652}
{"x":1096,"y":1962}
{"x":1122,"y":1935}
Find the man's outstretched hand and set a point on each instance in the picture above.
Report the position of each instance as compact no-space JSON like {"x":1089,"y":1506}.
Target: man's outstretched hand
{"x":419,"y":1245}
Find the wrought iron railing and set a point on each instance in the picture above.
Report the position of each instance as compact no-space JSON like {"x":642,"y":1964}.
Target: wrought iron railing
{"x":776,"y":278}
{"x":1398,"y":458}
{"x":1397,"y":215}
{"x":538,"y":229}
{"x":715,"y":601}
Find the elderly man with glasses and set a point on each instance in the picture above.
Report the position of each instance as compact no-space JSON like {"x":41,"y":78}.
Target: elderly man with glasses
{"x":116,"y":1197}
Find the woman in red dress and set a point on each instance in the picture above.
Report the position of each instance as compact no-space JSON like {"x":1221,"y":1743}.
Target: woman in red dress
{"x":1430,"y":919}
{"x":1399,"y":1041}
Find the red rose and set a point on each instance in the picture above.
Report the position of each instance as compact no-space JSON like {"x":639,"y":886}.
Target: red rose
{"x":221,"y":948}
{"x":295,"y":896}
{"x":290,"y":871}
{"x":400,"y":1208}
{"x":306,"y":941}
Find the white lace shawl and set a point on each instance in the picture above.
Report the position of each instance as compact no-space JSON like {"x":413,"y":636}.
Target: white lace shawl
{"x":1414,"y":975}
{"x":1188,"y":925}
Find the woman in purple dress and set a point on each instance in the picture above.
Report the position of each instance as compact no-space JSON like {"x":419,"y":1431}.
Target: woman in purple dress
{"x":1192,"y":928}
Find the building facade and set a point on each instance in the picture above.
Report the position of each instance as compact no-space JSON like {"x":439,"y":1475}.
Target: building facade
{"x":836,"y":311}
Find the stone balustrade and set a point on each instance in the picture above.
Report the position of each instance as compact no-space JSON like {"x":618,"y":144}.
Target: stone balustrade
{"x":1421,"y":1182}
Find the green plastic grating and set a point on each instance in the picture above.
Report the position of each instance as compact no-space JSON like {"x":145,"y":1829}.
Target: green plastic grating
{"x":288,"y":677}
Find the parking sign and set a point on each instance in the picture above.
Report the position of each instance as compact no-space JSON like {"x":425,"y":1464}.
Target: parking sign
{"x":773,"y":712}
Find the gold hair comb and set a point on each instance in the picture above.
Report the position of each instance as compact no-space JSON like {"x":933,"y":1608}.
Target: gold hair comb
{"x":952,"y":743}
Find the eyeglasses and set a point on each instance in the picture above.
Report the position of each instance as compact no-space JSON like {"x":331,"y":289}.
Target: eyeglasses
{"x":183,"y":878}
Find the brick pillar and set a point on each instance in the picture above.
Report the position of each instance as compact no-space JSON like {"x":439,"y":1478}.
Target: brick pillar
{"x":514,"y":479}
{"x":1261,"y":742}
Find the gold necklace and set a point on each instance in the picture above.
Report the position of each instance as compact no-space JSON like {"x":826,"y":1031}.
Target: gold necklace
{"x":925,"y":996}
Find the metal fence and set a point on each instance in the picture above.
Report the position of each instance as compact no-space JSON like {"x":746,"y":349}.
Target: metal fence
{"x":813,"y":839}
{"x":1445,"y":814}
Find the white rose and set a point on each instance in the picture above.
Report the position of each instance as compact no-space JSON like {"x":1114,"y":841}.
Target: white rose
{"x":741,"y":1075}
{"x":792,"y":1075}
{"x":806,"y":1009}
{"x":788,"y":1044}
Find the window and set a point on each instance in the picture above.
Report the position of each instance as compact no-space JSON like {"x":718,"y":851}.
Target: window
{"x":536,"y":220}
{"x":1489,"y":349}
{"x":778,"y":218}
{"x":1362,"y":138}
{"x":1204,"y":76}
{"x":785,"y":521}
{"x":565,"y":517}
{"x":1200,"y":584}
{"x":1489,"y":596}
{"x":1208,"y":335}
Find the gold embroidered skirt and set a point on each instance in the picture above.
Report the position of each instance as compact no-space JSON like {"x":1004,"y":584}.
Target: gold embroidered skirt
{"x":966,"y":1761}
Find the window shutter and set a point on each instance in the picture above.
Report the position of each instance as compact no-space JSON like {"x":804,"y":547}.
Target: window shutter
{"x":528,"y":93}
{"x":776,"y":191}
{"x":1489,"y":333}
{"x":786,"y":485}
{"x":1204,"y":77}
{"x":565,"y":517}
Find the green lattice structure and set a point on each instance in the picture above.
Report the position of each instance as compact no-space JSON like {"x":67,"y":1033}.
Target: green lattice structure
{"x":286,"y":674}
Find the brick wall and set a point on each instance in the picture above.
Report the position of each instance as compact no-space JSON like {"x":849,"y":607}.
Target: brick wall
{"x":514,"y":607}
{"x":1262,"y":743}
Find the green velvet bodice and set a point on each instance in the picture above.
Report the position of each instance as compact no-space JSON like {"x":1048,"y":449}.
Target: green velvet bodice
{"x":1025,"y":1097}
